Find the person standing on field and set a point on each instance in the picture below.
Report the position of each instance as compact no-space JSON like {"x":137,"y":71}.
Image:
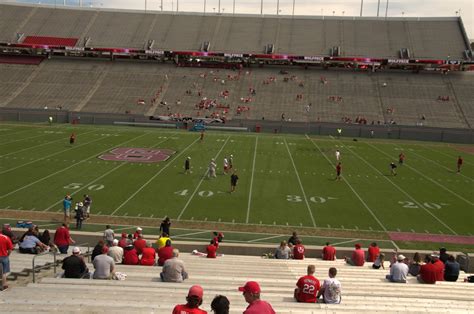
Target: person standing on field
{"x":72,"y":139}
{"x":233,"y":181}
{"x":212,"y":169}
{"x":187,"y":165}
{"x":338,"y":171}
{"x":460,"y":161}
{"x":338,"y":155}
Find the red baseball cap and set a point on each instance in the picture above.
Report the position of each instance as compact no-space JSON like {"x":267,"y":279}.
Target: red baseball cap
{"x":196,"y":291}
{"x":357,"y":246}
{"x":251,"y":287}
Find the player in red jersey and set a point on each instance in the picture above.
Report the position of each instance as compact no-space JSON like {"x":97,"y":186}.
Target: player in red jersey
{"x":460,"y":161}
{"x":72,"y":138}
{"x":298,"y":250}
{"x":201,"y":138}
{"x":338,"y":171}
{"x":194,"y":300}
{"x":307,"y":287}
{"x":401,"y":158}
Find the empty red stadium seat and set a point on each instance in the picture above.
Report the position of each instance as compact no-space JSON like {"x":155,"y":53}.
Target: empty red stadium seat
{"x":50,"y":41}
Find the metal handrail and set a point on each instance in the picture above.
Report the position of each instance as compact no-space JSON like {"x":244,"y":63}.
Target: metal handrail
{"x":44,"y":266}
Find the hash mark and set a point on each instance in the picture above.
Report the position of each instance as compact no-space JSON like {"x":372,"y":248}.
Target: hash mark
{"x":342,"y":226}
{"x":205,"y":219}
{"x":329,"y":226}
{"x":151,"y":216}
{"x":412,"y":230}
{"x":233,"y":221}
{"x":126,"y":214}
{"x":19,"y":208}
{"x":426,"y":231}
{"x":139,"y":215}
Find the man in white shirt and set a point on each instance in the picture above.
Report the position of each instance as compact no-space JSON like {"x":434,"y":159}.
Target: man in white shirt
{"x":338,"y":155}
{"x":116,"y":252}
{"x":331,"y":288}
{"x":212,"y":169}
{"x":398,"y":271}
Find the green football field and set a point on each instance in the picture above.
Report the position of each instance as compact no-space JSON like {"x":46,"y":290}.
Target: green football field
{"x":284,"y":180}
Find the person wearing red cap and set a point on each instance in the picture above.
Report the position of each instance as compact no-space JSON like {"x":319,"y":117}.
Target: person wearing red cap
{"x":194,"y":300}
{"x":251,"y":291}
{"x":307,"y":287}
{"x":358,"y":257}
{"x":211,"y":250}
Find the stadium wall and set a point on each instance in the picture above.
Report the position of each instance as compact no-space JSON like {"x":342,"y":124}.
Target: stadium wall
{"x":355,"y":131}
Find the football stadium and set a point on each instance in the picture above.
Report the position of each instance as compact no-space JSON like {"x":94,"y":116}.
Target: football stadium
{"x":239,"y":156}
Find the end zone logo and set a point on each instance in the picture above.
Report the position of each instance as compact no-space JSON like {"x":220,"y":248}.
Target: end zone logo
{"x":138,"y":154}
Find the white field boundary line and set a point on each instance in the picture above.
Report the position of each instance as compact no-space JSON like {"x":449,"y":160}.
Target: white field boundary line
{"x":343,"y":242}
{"x":350,"y":186}
{"x":251,"y":180}
{"x":191,"y":233}
{"x":437,"y":163}
{"x":152,"y":178}
{"x":426,"y":177}
{"x":54,"y":154}
{"x":24,"y":139}
{"x":13,"y":133}
{"x":301,"y":184}
{"x":453,"y":157}
{"x":200,"y":182}
{"x":71,"y":166}
{"x":402,"y":191}
{"x":35,"y":146}
{"x":98,"y":178}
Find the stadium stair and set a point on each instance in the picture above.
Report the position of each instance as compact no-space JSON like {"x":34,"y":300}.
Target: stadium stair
{"x":363,"y":289}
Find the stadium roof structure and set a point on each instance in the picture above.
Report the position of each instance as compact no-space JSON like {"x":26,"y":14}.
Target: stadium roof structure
{"x":362,"y":37}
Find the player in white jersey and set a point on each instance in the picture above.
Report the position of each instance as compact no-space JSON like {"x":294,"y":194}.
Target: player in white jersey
{"x":338,"y":155}
{"x":212,"y":169}
{"x":226,"y":165}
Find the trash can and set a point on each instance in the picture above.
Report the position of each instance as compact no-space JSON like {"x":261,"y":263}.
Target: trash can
{"x":257,"y":128}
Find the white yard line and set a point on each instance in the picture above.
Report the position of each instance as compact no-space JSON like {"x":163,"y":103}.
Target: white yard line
{"x":188,"y":234}
{"x":348,"y":241}
{"x":200,"y":182}
{"x":453,"y":157}
{"x":152,"y":178}
{"x":24,"y":139}
{"x":402,"y":190}
{"x":98,"y":178}
{"x":251,"y":180}
{"x":352,"y":189}
{"x":301,"y":184}
{"x":71,"y":166}
{"x":426,"y":177}
{"x":266,"y":238}
{"x":51,"y":155}
{"x":440,"y":165}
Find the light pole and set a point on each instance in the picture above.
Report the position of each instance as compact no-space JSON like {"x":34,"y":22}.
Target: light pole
{"x":278,"y":7}
{"x":177,"y":5}
{"x":261,"y":7}
{"x":361,"y":6}
{"x":386,"y":10}
{"x":204,"y":6}
{"x":233,"y":7}
{"x":161,"y":6}
{"x":219,"y":7}
{"x":293,"y":12}
{"x":378,"y":8}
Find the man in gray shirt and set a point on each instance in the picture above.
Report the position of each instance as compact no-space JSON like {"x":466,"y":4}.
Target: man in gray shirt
{"x":108,"y":235}
{"x":104,"y":265}
{"x":398,"y":271}
{"x":116,"y":252}
{"x":173,"y":269}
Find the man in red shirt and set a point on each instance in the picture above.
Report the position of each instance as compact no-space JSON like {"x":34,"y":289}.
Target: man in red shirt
{"x":307,"y":287}
{"x":251,"y":291}
{"x":338,"y":171}
{"x":373,"y":251}
{"x":62,"y":239}
{"x":194,"y":300}
{"x":438,"y":267}
{"x":298,"y":250}
{"x":427,"y":272}
{"x":139,"y":244}
{"x":211,"y":250}
{"x":137,"y":233}
{"x":329,"y":252}
{"x":148,"y":255}
{"x":6,"y":247}
{"x":165,"y":253}
{"x":358,"y":257}
{"x":123,"y":242}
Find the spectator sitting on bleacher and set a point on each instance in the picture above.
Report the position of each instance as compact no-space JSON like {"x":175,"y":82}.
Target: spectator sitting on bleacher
{"x":62,"y":239}
{"x":379,"y":261}
{"x":137,"y":233}
{"x":161,"y":242}
{"x":130,"y":255}
{"x":415,"y":265}
{"x":283,"y":251}
{"x":307,"y":287}
{"x":372,"y":251}
{"x":432,"y":271}
{"x":443,"y":255}
{"x":438,"y":266}
{"x":139,"y":244}
{"x":104,"y":265}
{"x":251,"y":291}
{"x":31,"y":244}
{"x":97,"y":249}
{"x":6,"y":247}
{"x":331,"y":288}
{"x":292,"y":240}
{"x":45,"y":238}
{"x":116,"y":252}
{"x":165,"y":253}
{"x":398,"y":271}
{"x":148,"y":255}
{"x":211,"y":250}
{"x":194,"y":300}
{"x":357,"y":258}
{"x":173,"y":269}
{"x":74,"y":266}
{"x":123,"y":242}
{"x":451,"y":269}
{"x":220,"y":305}
{"x":298,"y":250}
{"x":329,"y":252}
